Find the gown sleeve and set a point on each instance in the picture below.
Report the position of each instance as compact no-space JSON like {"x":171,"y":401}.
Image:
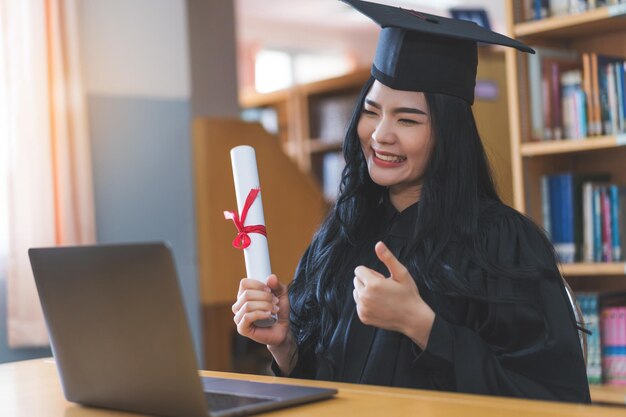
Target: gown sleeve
{"x":528,"y":349}
{"x":306,"y":364}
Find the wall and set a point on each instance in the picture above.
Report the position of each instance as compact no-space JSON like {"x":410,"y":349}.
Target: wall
{"x":326,"y":26}
{"x":136,"y":74}
{"x":213,"y":58}
{"x":492,"y":120}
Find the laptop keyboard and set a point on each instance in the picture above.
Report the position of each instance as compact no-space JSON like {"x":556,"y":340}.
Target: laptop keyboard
{"x":218,"y":401}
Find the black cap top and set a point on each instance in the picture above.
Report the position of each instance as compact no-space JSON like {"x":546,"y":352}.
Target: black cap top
{"x":423,"y":52}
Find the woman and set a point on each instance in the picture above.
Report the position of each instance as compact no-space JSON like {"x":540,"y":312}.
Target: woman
{"x":420,"y":276}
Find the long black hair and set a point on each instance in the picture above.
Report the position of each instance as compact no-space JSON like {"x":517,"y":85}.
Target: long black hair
{"x":457,"y":180}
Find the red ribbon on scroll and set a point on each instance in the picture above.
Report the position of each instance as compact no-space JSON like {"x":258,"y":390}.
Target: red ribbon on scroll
{"x":242,"y":240}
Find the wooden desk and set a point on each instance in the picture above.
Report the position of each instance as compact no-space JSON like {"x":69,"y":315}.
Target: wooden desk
{"x":32,"y":389}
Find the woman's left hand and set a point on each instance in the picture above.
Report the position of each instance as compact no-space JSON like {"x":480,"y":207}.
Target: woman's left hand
{"x":392,"y":303}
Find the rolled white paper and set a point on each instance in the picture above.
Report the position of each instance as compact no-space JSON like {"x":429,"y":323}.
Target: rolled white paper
{"x":246,"y":177}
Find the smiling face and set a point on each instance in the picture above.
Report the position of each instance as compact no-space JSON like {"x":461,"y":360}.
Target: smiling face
{"x":395,"y":134}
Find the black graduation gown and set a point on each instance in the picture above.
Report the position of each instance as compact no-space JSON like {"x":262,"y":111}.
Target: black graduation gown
{"x":474,"y":346}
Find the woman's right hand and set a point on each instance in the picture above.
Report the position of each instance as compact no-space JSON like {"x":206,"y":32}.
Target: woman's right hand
{"x":256,"y":301}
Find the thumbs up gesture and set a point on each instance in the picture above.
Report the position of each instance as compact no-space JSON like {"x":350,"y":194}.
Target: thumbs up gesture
{"x":392,"y":303}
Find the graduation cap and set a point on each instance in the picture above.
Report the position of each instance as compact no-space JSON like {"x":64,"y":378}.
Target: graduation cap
{"x":423,"y":52}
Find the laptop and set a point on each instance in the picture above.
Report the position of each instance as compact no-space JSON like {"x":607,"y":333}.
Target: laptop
{"x":121,"y":340}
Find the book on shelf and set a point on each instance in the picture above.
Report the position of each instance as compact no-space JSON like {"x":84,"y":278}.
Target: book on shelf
{"x":607,"y":96}
{"x":607,"y":233}
{"x":556,"y":8}
{"x":542,"y":9}
{"x":621,"y":220}
{"x":609,"y":244}
{"x":592,"y":218}
{"x":332,"y":167}
{"x":604,"y":316}
{"x":595,"y":116}
{"x":615,"y":208}
{"x":571,"y":122}
{"x":575,"y":96}
{"x":588,"y":90}
{"x":330,"y":115}
{"x":612,"y":97}
{"x":583,"y":215}
{"x":607,"y":212}
{"x":604,"y":237}
{"x":588,"y":303}
{"x":620,"y":77}
{"x":561,"y":195}
{"x":613,"y":324}
{"x":543,"y":72}
{"x":267,"y":116}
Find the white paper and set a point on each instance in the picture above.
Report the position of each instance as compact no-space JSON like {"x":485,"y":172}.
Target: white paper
{"x":246,"y":177}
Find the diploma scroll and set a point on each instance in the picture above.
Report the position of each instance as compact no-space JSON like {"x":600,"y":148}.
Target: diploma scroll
{"x":254,"y":243}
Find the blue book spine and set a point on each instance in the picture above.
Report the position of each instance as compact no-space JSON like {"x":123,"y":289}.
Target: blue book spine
{"x":615,"y":232}
{"x":538,"y":11}
{"x":566,"y":182}
{"x":597,"y":225}
{"x":604,"y":99}
{"x":619,"y":81}
{"x":581,"y":102}
{"x":541,"y":9}
{"x":555,"y":208}
{"x":622,"y":77}
{"x":562,"y":218}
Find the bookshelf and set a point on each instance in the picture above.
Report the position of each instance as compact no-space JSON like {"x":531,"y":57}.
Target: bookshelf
{"x":593,"y":269}
{"x":603,"y":31}
{"x":313,"y":117}
{"x":565,"y":147}
{"x":600,"y":20}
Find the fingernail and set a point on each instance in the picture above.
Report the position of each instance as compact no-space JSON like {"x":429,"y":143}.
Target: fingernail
{"x":267,"y":289}
{"x":275,"y":299}
{"x":275,"y":309}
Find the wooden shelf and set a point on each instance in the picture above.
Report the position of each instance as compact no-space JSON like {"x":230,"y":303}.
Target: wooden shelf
{"x":353,"y":80}
{"x":250,"y":98}
{"x":595,"y":269}
{"x":572,"y":145}
{"x":294,"y":105}
{"x":317,"y":146}
{"x":596,"y":21}
{"x":608,"y":394}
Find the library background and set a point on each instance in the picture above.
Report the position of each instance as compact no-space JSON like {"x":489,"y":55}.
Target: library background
{"x":553,"y":124}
